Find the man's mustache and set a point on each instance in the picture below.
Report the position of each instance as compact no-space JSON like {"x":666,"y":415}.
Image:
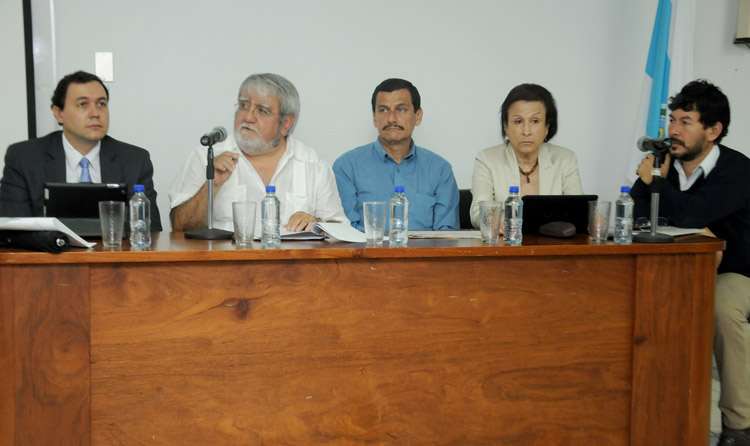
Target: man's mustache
{"x":249,"y":127}
{"x":393,"y":126}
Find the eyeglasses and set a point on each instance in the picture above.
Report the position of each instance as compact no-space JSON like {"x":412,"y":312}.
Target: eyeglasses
{"x":644,"y":224}
{"x":260,"y":111}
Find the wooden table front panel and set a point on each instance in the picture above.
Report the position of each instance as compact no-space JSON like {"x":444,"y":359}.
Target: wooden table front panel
{"x":480,"y":351}
{"x":49,"y":337}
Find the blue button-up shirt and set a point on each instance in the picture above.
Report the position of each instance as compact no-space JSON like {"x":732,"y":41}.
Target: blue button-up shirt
{"x":369,"y":173}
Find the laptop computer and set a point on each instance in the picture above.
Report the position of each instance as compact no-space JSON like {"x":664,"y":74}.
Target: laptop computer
{"x":539,"y":210}
{"x":76,"y":205}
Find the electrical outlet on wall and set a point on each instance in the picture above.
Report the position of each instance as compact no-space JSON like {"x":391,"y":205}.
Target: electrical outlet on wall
{"x":104,"y":66}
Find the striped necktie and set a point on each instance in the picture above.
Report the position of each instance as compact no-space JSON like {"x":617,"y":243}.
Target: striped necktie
{"x":85,"y":175}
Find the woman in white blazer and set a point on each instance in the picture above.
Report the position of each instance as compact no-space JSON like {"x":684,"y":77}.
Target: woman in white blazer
{"x":525,"y":159}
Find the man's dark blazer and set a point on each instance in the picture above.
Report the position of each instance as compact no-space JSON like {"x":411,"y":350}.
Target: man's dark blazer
{"x":30,"y":164}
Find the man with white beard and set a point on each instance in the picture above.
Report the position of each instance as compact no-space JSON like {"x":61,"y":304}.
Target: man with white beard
{"x":261,"y":153}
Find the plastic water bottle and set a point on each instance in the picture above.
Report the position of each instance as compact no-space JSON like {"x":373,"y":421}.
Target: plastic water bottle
{"x":140,"y":218}
{"x":624,"y":217}
{"x":399,"y":232}
{"x":513,"y":218}
{"x":270,"y":222}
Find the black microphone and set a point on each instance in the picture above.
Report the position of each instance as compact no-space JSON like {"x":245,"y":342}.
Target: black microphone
{"x":218,"y":134}
{"x":646,"y":144}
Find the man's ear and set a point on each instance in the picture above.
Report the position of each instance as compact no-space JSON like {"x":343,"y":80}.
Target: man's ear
{"x":714,"y":131}
{"x":57,"y":111}
{"x":286,"y":125}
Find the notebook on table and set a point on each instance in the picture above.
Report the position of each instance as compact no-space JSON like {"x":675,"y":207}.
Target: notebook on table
{"x":76,"y":205}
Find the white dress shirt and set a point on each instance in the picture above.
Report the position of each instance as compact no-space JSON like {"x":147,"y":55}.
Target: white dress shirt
{"x":303,"y":182}
{"x":705,"y":167}
{"x":73,"y":158}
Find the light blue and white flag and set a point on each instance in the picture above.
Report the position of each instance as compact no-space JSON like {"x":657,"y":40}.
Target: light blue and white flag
{"x":668,"y":68}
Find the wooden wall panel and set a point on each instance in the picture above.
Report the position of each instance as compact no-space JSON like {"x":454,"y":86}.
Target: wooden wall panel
{"x":51,"y":354}
{"x":7,"y":356}
{"x":382,"y":351}
{"x":672,"y":349}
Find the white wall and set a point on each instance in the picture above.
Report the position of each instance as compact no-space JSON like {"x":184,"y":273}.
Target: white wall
{"x":725,"y":64}
{"x":13,"y":122}
{"x":178,"y":66}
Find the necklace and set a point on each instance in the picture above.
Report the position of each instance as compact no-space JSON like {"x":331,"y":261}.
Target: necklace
{"x":526,"y":174}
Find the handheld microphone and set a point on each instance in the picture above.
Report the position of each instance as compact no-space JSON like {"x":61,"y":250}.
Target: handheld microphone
{"x":646,"y":144}
{"x":218,"y":134}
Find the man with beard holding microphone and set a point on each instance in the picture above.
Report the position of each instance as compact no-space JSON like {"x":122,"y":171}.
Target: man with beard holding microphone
{"x":706,"y":185}
{"x":261,"y":152}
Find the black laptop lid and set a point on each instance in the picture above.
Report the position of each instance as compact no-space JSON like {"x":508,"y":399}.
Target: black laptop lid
{"x":80,"y":200}
{"x":542,"y":209}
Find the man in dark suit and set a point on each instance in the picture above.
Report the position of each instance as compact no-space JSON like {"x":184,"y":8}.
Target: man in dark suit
{"x":81,"y":152}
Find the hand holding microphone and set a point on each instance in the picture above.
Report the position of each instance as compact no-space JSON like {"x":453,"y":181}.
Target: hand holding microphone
{"x":656,"y":162}
{"x":654,"y":145}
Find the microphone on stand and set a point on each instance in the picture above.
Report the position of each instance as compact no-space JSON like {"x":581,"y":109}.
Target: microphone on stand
{"x":659,"y":147}
{"x":218,"y":134}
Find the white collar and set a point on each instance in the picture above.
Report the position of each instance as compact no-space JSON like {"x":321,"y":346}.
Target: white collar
{"x":706,"y":166}
{"x":73,"y":156}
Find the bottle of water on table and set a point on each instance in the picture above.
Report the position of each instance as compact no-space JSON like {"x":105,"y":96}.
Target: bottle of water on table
{"x":270,"y":221}
{"x":140,"y":218}
{"x":399,"y":232}
{"x":624,"y":217}
{"x":513,"y":218}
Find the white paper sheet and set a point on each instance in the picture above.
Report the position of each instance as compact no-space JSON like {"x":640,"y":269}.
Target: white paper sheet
{"x":321,"y":230}
{"x":339,"y":231}
{"x":674,"y":231}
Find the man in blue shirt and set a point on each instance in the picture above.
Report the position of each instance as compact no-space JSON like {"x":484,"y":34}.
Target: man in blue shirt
{"x":371,"y":172}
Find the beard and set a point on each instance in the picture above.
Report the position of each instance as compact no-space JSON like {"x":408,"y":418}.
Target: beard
{"x":254,"y":146}
{"x":690,"y":152}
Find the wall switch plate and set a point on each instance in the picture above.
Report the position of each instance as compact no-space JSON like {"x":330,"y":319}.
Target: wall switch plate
{"x":104,"y":66}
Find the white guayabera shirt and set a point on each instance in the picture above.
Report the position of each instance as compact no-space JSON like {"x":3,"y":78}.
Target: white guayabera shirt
{"x":303,"y":182}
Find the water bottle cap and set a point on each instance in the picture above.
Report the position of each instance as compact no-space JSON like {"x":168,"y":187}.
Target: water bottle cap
{"x":270,"y":189}
{"x":514,"y":189}
{"x":138,"y":188}
{"x":625,"y":189}
{"x":399,"y":188}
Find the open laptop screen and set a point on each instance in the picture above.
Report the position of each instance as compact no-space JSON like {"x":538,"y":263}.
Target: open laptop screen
{"x":76,"y":205}
{"x":541,"y":209}
{"x":80,"y":200}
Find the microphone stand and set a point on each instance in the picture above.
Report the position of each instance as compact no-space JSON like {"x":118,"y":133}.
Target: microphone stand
{"x":653,"y":236}
{"x":209,"y":233}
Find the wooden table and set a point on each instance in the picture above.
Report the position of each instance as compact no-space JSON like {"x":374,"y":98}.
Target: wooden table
{"x":445,"y":342}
